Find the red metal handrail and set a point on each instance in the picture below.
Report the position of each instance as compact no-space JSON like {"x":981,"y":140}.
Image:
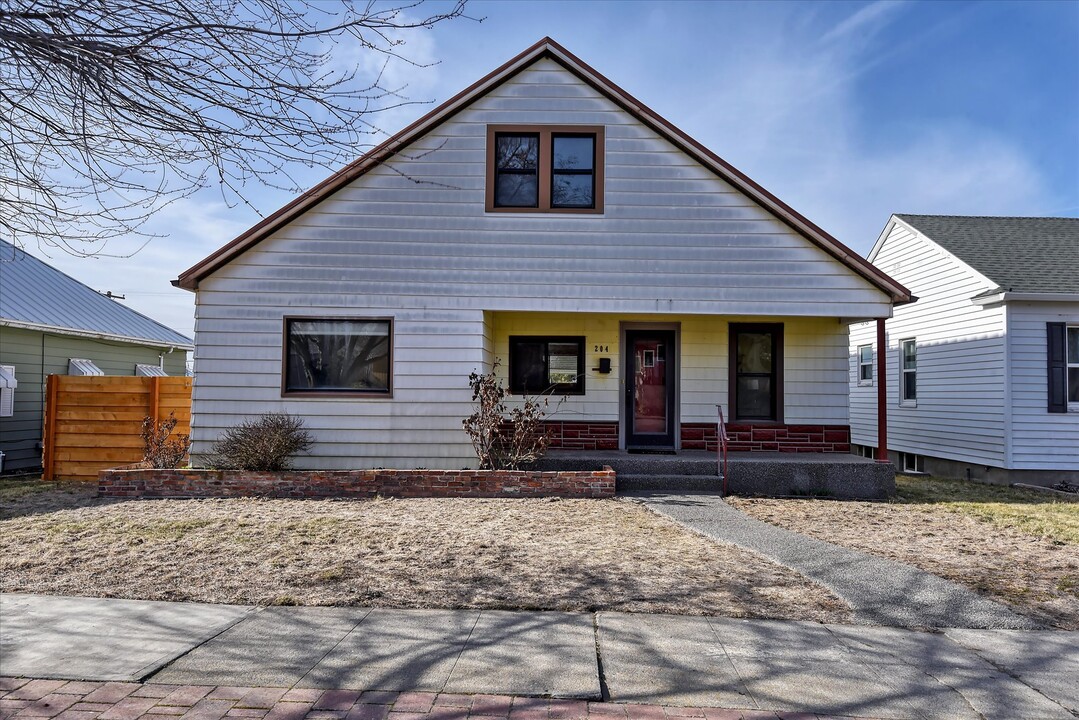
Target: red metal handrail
{"x":721,"y":448}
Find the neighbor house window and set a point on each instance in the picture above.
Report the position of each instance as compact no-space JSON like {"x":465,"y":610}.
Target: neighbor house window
{"x":756,"y":371}
{"x":338,"y":355}
{"x":1073,"y":367}
{"x":865,"y":365}
{"x":547,"y":365}
{"x":1062,"y":368}
{"x":913,"y":463}
{"x":544,"y":168}
{"x":908,"y":372}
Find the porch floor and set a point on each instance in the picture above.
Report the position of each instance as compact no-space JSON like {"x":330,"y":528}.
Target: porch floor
{"x":749,"y":473}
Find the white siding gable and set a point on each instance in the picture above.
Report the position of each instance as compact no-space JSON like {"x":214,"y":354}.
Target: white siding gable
{"x":961,"y":358}
{"x":674,"y":238}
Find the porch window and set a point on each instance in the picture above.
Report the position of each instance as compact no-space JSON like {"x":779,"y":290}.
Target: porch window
{"x":545,"y":168}
{"x":756,"y":371}
{"x":865,"y":365}
{"x":338,"y":356}
{"x":908,"y":372}
{"x":546,"y":365}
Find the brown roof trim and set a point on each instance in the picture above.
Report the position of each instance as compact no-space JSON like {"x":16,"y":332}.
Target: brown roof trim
{"x":546,"y":47}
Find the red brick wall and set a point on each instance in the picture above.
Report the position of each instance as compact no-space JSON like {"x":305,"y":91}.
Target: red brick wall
{"x":782,"y":438}
{"x":148,"y":483}
{"x":582,"y":435}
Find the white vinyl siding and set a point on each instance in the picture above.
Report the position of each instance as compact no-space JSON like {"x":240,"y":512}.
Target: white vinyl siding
{"x":411,"y":240}
{"x":959,"y":414}
{"x":1041,"y":440}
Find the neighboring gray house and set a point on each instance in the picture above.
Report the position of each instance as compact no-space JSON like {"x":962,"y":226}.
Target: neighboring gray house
{"x":51,"y":324}
{"x":546,"y":218}
{"x":983,"y":371}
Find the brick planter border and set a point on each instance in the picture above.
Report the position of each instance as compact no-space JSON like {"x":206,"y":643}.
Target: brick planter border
{"x":194,"y":483}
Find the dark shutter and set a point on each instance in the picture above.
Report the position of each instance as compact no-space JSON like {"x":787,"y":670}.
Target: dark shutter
{"x":1057,"y":366}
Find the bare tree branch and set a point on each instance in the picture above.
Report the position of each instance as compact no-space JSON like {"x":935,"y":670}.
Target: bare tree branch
{"x":112,"y":109}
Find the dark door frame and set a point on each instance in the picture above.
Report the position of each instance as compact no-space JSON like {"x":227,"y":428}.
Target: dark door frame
{"x":668,"y":335}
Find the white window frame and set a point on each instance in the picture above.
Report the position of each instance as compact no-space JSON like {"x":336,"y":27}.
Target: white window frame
{"x":1070,"y":363}
{"x":7,"y":392}
{"x":872,"y":356}
{"x":913,"y":463}
{"x":903,"y":400}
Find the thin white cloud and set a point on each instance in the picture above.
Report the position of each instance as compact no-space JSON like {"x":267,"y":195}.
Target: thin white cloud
{"x":864,"y":23}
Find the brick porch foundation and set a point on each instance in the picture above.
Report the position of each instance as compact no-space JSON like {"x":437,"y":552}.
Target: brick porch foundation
{"x":769,"y":438}
{"x":582,"y":435}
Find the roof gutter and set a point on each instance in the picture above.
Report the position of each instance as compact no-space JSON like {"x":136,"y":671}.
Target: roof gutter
{"x":1007,"y":296}
{"x":89,"y":334}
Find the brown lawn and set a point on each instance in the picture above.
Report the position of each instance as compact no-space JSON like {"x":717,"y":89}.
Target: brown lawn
{"x":1019,"y":546}
{"x":423,"y":553}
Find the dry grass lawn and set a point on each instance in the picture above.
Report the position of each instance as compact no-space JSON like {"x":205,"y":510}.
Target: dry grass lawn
{"x":1019,"y":546}
{"x":428,"y":553}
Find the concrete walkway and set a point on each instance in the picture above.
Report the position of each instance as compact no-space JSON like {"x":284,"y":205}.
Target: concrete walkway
{"x":881,"y":591}
{"x":750,"y":668}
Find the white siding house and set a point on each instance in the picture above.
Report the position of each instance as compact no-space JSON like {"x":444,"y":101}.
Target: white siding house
{"x":443,"y":250}
{"x":992,"y":295}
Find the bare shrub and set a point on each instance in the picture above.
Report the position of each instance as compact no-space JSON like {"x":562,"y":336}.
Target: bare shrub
{"x":505,"y":439}
{"x":264,"y":443}
{"x":162,"y":449}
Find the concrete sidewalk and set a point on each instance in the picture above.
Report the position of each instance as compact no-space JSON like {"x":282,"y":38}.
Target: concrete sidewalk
{"x":690,"y":662}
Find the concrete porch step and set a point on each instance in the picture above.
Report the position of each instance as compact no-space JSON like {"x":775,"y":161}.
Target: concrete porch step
{"x":628,"y":483}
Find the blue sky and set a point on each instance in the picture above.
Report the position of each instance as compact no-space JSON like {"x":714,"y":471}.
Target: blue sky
{"x":846,"y":111}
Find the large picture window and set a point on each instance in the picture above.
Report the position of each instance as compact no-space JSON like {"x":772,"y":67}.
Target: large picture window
{"x":546,"y":365}
{"x":544,"y":168}
{"x":338,"y":355}
{"x":756,"y":358}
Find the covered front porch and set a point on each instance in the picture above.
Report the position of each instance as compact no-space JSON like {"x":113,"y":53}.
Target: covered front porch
{"x":747,"y":473}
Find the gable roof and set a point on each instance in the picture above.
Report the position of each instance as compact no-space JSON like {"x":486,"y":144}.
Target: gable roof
{"x":549,"y":49}
{"x":1019,"y":254}
{"x":37,"y":296}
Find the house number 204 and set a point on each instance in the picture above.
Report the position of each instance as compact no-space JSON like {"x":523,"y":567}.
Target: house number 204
{"x":601,"y":348}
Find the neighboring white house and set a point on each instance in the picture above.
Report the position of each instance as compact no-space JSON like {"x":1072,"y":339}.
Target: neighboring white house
{"x":545,"y":218}
{"x":983,"y":371}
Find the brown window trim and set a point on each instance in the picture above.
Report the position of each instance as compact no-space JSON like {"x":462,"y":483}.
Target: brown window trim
{"x":545,"y":174}
{"x":548,"y":339}
{"x":370,"y":394}
{"x":777,"y":371}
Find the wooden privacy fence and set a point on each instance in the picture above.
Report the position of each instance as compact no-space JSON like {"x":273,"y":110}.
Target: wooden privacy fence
{"x":94,"y":423}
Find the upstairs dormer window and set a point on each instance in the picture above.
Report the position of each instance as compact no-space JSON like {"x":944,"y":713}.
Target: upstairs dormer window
{"x":545,"y":168}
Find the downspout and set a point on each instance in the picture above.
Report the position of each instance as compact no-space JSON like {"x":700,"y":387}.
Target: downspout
{"x":1007,"y":399}
{"x":882,"y":392}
